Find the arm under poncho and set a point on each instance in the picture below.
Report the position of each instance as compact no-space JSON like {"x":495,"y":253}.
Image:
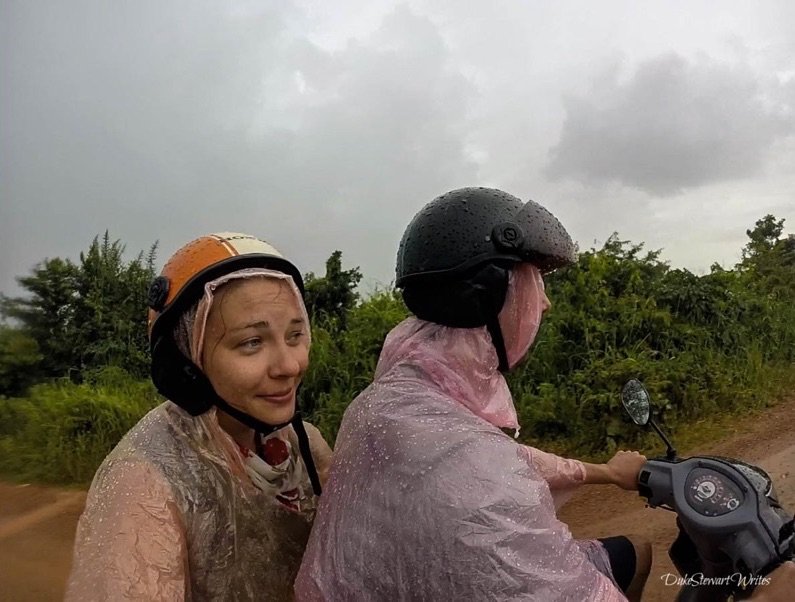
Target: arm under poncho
{"x":131,"y":545}
{"x":563,"y":475}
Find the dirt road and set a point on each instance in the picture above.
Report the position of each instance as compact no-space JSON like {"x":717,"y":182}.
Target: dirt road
{"x":37,"y":524}
{"x":37,"y":527}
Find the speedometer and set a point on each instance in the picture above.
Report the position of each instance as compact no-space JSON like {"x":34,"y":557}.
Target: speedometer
{"x":711,"y":493}
{"x":706,"y":488}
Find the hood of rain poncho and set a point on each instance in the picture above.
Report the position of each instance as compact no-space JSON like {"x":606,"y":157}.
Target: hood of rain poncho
{"x":463,"y":361}
{"x":423,"y":443}
{"x":196,"y":322}
{"x":178,"y":511}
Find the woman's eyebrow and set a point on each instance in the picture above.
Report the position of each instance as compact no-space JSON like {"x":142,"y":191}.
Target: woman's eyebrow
{"x":258,"y":324}
{"x":264,"y":324}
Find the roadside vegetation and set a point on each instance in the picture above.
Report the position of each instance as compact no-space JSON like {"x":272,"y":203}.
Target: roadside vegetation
{"x":74,"y":354}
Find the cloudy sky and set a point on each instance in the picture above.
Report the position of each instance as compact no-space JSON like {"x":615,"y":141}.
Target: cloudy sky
{"x":326,"y":125}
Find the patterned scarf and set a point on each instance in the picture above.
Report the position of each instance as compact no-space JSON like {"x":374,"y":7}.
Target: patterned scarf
{"x":277,"y":470}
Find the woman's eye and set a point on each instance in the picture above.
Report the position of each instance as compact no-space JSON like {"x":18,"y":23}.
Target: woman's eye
{"x":296,"y":336}
{"x":253,"y":343}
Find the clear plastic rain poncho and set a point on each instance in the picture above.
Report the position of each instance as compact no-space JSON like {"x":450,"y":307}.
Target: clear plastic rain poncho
{"x":428,"y":499}
{"x":178,"y":511}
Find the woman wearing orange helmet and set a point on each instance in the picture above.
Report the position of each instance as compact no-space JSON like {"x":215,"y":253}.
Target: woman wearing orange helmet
{"x":212,"y":494}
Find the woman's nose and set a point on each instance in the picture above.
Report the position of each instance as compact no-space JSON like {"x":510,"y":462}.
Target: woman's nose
{"x":284,"y":363}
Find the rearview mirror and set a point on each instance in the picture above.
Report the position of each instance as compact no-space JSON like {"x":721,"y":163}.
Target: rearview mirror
{"x":636,"y":401}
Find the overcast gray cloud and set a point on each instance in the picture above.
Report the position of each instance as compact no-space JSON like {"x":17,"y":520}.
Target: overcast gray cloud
{"x":326,"y":126}
{"x":673,"y":124}
{"x":171,"y":123}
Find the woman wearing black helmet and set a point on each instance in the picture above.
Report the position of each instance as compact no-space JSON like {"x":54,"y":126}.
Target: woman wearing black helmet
{"x":428,"y":498}
{"x":212,"y":494}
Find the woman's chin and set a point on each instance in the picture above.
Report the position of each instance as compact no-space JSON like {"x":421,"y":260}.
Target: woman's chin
{"x":274,"y":413}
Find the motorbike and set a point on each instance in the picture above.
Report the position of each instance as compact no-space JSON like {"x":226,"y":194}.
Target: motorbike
{"x":732,"y":529}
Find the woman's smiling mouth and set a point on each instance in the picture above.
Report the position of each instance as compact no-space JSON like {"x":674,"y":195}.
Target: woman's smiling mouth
{"x":278,"y":397}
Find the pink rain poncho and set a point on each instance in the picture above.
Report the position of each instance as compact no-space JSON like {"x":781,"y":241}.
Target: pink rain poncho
{"x":428,"y":499}
{"x":178,"y":511}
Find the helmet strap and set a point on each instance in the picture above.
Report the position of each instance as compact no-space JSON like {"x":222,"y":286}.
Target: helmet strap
{"x":261,"y":427}
{"x":264,"y":428}
{"x":306,"y":452}
{"x":493,"y":326}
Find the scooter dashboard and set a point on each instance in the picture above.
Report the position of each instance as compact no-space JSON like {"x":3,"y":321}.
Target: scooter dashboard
{"x":757,"y":477}
{"x":711,"y":493}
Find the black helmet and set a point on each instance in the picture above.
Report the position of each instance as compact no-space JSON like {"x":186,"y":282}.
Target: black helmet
{"x":455,"y":256}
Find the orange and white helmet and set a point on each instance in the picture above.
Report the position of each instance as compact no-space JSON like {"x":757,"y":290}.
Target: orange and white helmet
{"x":181,"y":282}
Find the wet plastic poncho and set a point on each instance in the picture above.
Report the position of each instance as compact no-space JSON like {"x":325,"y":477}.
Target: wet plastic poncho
{"x":178,"y":511}
{"x":427,"y":498}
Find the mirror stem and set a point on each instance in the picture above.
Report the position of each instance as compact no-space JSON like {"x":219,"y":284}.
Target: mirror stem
{"x":670,"y":453}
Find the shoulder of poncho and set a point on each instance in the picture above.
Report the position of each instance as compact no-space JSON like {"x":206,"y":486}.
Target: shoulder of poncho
{"x":161,"y":447}
{"x":426,"y":414}
{"x":158,"y":440}
{"x":411,"y":399}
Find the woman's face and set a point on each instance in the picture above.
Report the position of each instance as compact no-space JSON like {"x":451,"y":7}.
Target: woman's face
{"x":256,"y":347}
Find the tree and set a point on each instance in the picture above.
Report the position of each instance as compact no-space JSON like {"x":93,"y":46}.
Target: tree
{"x":87,"y":315}
{"x":768,"y":260}
{"x":764,"y":237}
{"x":47,"y":315}
{"x":19,"y":361}
{"x":332,"y":296}
{"x":111,"y":309}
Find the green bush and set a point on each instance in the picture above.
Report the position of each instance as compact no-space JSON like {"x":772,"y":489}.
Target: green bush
{"x":702,"y":344}
{"x":61,"y":432}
